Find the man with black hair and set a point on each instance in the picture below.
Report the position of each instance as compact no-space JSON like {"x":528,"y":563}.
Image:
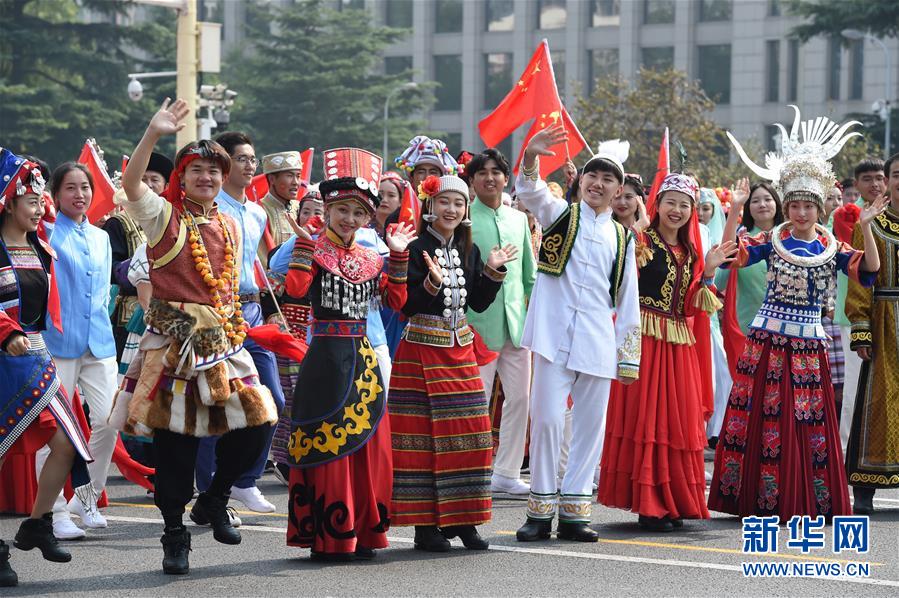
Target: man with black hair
{"x":872,"y":456}
{"x":585,"y":296}
{"x":500,"y":326}
{"x":870,"y":180}
{"x":850,"y":193}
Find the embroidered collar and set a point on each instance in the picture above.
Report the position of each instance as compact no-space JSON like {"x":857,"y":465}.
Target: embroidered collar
{"x":335,"y":238}
{"x":198,"y":209}
{"x":439,"y":237}
{"x":783,"y":230}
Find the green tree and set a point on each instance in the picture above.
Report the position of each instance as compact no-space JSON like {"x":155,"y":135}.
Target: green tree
{"x":63,"y":80}
{"x":316,"y":80}
{"x":640,"y":113}
{"x":877,"y":17}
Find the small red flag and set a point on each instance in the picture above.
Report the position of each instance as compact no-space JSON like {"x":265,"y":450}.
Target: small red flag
{"x":662,"y":170}
{"x":101,"y":204}
{"x":410,"y":206}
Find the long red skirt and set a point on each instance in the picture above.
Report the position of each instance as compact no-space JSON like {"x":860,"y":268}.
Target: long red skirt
{"x":652,"y":461}
{"x":442,"y":446}
{"x":779,"y":449}
{"x":335,"y":507}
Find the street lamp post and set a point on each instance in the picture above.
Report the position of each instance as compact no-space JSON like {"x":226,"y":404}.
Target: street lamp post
{"x":855,"y":34}
{"x":404,"y":86}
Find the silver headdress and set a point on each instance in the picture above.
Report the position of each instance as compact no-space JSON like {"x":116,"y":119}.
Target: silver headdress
{"x":801,"y":170}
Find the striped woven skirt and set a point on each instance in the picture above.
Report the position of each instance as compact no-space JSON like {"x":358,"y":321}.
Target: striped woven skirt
{"x":288,"y":372}
{"x":442,"y":445}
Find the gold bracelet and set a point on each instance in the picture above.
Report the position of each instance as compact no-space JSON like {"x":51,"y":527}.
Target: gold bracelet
{"x":532,"y":174}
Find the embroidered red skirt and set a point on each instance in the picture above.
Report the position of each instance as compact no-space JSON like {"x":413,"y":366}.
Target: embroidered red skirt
{"x":335,"y":507}
{"x":442,"y":444}
{"x":779,"y":450}
{"x":652,"y":461}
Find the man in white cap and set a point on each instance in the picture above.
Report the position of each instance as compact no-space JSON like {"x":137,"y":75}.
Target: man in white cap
{"x":284,"y":173}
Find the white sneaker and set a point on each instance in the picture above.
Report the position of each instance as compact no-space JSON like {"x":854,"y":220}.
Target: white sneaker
{"x":501,"y":483}
{"x":232,"y":517}
{"x":88,"y":512}
{"x":65,"y":529}
{"x":253,"y":499}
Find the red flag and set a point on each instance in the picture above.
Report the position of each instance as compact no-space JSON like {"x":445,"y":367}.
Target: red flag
{"x":101,"y":204}
{"x":662,"y":169}
{"x":271,"y":337}
{"x":410,"y":207}
{"x":259,"y":186}
{"x":573,"y":146}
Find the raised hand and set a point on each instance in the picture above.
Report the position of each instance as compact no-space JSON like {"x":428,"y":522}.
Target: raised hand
{"x":435,"y":272}
{"x":541,"y":142}
{"x":874,"y":209}
{"x":719,"y":254}
{"x":315,"y":225}
{"x":642,"y":222}
{"x":398,"y":238}
{"x":500,"y":256}
{"x":300,"y":231}
{"x":740,"y":193}
{"x":169,"y":119}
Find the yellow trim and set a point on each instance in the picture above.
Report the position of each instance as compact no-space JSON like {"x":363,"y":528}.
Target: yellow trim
{"x":676,"y":332}
{"x":175,"y":250}
{"x":167,"y":210}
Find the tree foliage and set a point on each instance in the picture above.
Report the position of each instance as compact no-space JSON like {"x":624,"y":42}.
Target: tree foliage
{"x":829,"y":17}
{"x":63,"y":80}
{"x":640,"y":113}
{"x":316,"y":80}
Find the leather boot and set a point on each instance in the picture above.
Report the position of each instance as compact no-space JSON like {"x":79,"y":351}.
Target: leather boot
{"x":428,"y":538}
{"x":175,"y":547}
{"x":576,"y":531}
{"x":864,"y":500}
{"x":656,"y":524}
{"x":468,"y":534}
{"x":534,"y":529}
{"x":8,"y":577}
{"x":38,"y":533}
{"x":214,"y":510}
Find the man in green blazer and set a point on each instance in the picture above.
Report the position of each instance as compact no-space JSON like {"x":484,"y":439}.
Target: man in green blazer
{"x":494,"y":223}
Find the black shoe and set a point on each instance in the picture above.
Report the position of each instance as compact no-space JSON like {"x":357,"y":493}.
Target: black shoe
{"x":677,"y":523}
{"x":333,"y":557}
{"x":533,"y":530}
{"x":175,"y":546}
{"x":576,"y":531}
{"x":214,"y":511}
{"x":8,"y":577}
{"x":656,"y":524}
{"x":468,"y":534}
{"x":364,"y":553}
{"x":428,"y":538}
{"x":864,"y":500}
{"x":38,"y":533}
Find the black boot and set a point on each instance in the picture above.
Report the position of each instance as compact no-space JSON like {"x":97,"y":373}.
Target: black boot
{"x":468,"y":534}
{"x":8,"y":577}
{"x":576,"y":531}
{"x":428,"y":538}
{"x":864,"y":500}
{"x":38,"y":533}
{"x":534,"y":529}
{"x":214,"y":510}
{"x":175,"y":546}
{"x":364,"y":553}
{"x":656,"y":524}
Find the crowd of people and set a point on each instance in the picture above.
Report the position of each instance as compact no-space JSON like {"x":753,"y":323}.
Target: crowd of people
{"x":367,"y":335}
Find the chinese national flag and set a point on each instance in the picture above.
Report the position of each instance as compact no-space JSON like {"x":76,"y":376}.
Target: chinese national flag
{"x":534,"y":97}
{"x":410,"y":207}
{"x":259,"y":187}
{"x":662,"y":170}
{"x":102,"y":203}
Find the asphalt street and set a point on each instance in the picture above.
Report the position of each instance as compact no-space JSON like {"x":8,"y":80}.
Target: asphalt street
{"x":702,"y":559}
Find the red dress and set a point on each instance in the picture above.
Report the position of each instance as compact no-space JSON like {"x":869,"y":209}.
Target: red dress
{"x":652,"y":460}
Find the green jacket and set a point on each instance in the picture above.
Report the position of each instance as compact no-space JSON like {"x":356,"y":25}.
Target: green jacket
{"x":504,"y":319}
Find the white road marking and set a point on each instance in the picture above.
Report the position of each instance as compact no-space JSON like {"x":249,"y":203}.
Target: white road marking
{"x":566,"y":553}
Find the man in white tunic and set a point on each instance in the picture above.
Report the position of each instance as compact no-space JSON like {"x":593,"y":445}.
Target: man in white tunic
{"x":583,"y":326}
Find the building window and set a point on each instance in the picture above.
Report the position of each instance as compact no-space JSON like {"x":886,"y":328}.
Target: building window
{"x":856,"y":68}
{"x":605,"y":13}
{"x":772,"y":64}
{"x":772,"y":138}
{"x":551,"y":14}
{"x":834,"y":62}
{"x":659,"y":59}
{"x":448,"y":75}
{"x":792,"y":70}
{"x":395,"y":65}
{"x":658,"y":11}
{"x":715,"y":10}
{"x":500,"y":15}
{"x":497,"y":78}
{"x":448,"y":16}
{"x":713,"y":71}
{"x":558,"y":58}
{"x":398,"y":13}
{"x":773,"y":8}
{"x":601,"y":64}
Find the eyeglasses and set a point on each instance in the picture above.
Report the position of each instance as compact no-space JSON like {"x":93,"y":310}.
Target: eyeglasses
{"x":244,"y":160}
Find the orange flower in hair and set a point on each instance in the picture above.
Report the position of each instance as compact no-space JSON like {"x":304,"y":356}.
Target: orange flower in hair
{"x":429,"y":187}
